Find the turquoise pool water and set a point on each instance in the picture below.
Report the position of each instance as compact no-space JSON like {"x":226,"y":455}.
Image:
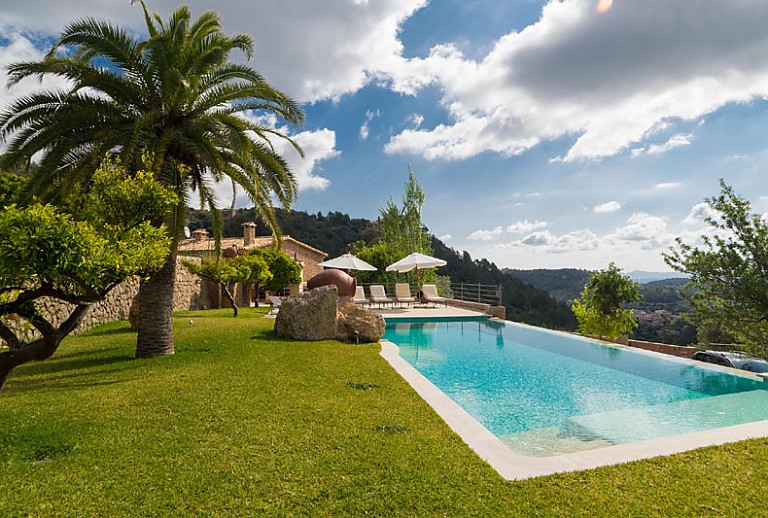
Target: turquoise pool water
{"x":546,"y":393}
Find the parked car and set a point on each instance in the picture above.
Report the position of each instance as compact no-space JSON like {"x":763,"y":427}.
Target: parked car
{"x":736,"y":360}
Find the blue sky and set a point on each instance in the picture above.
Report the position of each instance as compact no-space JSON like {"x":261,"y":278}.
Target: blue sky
{"x":545,"y":134}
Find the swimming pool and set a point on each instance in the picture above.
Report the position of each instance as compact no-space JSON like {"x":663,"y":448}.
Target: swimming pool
{"x":546,"y":393}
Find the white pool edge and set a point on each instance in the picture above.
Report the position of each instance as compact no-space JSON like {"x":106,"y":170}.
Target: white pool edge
{"x":515,"y":466}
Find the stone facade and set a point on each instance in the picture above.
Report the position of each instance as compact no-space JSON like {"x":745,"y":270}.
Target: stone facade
{"x":200,"y":246}
{"x":117,"y":304}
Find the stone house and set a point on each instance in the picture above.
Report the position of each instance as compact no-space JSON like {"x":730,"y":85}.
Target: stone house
{"x":201,"y":245}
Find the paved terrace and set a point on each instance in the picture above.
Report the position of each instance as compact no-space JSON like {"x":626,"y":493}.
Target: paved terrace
{"x":420,"y":311}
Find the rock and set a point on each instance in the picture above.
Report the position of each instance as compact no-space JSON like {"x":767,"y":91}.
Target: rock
{"x":308,"y":316}
{"x":133,"y":313}
{"x":351,"y":317}
{"x":319,"y":314}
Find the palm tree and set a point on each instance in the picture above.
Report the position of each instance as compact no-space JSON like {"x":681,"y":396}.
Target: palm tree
{"x":174,"y":100}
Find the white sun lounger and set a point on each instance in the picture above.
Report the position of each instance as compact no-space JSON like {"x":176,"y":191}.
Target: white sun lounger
{"x":360,"y":296}
{"x":430,"y":294}
{"x":378,"y":295}
{"x":274,"y":303}
{"x":403,"y":294}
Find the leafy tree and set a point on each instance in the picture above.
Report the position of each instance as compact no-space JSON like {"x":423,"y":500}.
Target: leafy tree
{"x":11,"y":188}
{"x":600,"y":310}
{"x":175,"y":95}
{"x":729,"y":272}
{"x":75,"y":257}
{"x":402,"y":233}
{"x":245,"y":269}
{"x":283,"y":270}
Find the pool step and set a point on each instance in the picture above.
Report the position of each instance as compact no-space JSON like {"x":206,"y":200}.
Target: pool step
{"x":549,"y":441}
{"x":691,"y":415}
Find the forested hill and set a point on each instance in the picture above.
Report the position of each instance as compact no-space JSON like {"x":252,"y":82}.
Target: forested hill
{"x":524,"y":302}
{"x":330,"y":233}
{"x":564,"y":284}
{"x":333,"y":231}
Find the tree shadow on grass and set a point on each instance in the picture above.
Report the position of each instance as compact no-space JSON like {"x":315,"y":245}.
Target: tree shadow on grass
{"x":109,"y":332}
{"x":66,"y":363}
{"x":71,"y":380}
{"x":269,"y":335}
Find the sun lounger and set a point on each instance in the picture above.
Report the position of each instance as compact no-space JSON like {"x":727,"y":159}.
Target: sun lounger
{"x":360,"y":296}
{"x":274,"y":303}
{"x":378,"y":295}
{"x":429,"y":291}
{"x":403,"y":294}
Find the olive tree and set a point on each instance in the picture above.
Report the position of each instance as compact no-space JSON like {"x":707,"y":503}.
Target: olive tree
{"x":245,"y":269}
{"x":728,"y":289}
{"x":74,"y":254}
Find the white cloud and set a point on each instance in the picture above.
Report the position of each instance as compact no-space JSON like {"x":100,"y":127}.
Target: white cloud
{"x":20,"y":48}
{"x":643,"y":229}
{"x":485,"y":235}
{"x":610,"y":80}
{"x":607,"y":207}
{"x":539,"y":239}
{"x":364,"y":128}
{"x":667,"y":185}
{"x":673,"y":142}
{"x":525,"y":226}
{"x":547,"y":242}
{"x":313,"y":50}
{"x":699,"y":214}
{"x":579,"y":240}
{"x":415,"y":120}
{"x":445,"y":238}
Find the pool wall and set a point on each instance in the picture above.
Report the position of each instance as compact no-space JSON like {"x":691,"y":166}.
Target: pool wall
{"x":515,"y":466}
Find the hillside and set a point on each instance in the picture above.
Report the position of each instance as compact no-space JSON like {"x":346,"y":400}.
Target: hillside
{"x":564,"y":284}
{"x":330,"y":232}
{"x":660,"y":313}
{"x":524,"y":302}
{"x":333,"y":231}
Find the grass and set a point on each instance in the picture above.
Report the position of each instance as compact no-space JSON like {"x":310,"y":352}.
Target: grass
{"x":241,"y":423}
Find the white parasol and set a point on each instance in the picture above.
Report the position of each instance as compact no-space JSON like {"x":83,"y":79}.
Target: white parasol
{"x":347,"y":262}
{"x":415,"y":261}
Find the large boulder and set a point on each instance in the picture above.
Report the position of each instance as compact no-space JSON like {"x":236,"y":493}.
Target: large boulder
{"x":320,"y":314}
{"x":308,"y":316}
{"x":355,"y":322}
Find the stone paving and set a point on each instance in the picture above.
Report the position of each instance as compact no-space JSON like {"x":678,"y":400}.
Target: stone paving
{"x":420,"y":311}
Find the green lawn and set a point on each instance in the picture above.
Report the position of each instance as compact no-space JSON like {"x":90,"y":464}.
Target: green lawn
{"x":240,"y":423}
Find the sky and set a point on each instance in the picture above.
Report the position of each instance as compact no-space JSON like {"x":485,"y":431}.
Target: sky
{"x":546,"y":134}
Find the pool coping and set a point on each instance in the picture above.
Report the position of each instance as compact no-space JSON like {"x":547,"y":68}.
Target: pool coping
{"x":515,"y":466}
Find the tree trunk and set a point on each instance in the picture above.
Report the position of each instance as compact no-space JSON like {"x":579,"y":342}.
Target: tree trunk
{"x":156,"y":312}
{"x":42,"y":348}
{"x":228,"y":293}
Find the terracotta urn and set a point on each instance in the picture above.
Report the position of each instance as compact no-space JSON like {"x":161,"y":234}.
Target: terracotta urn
{"x":345,"y":283}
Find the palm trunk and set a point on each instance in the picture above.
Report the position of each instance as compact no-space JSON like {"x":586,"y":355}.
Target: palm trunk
{"x":156,"y":312}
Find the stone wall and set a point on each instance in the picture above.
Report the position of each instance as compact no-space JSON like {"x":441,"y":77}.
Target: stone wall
{"x":117,"y":304}
{"x":494,"y":311}
{"x":674,"y":350}
{"x":307,"y":258}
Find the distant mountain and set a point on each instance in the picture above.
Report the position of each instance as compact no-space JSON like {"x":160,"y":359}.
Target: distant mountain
{"x":644,"y":277}
{"x":564,"y":284}
{"x":524,"y":301}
